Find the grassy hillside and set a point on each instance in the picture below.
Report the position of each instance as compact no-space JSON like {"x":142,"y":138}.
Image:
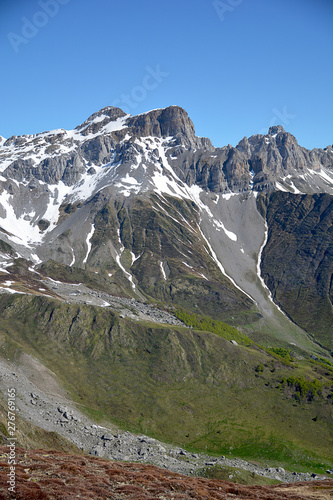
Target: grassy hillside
{"x":181,"y":385}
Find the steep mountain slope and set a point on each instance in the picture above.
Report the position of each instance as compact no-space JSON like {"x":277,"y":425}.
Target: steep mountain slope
{"x":297,"y":260}
{"x":141,"y":219}
{"x":129,"y":197}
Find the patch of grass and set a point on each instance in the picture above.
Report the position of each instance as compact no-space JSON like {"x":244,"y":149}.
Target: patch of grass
{"x":205,"y":323}
{"x":324,"y":363}
{"x":236,"y":475}
{"x":279,"y":353}
{"x":285,"y":453}
{"x":304,"y":389}
{"x":95,"y":415}
{"x":3,"y":433}
{"x":282,"y":353}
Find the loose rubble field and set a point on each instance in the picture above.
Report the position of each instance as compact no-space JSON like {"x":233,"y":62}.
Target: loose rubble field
{"x":131,"y":308}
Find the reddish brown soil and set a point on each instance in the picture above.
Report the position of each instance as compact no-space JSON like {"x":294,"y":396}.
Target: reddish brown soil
{"x":54,"y":475}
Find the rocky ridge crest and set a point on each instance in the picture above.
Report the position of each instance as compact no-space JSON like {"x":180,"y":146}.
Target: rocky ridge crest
{"x":259,"y":163}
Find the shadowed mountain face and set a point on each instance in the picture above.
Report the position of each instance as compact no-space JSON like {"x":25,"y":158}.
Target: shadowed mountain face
{"x":297,"y":261}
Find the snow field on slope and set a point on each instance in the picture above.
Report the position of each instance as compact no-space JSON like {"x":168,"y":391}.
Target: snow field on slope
{"x":88,"y":242}
{"x":34,"y":146}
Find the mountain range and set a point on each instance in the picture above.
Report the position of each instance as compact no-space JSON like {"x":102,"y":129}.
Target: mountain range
{"x":131,"y":239}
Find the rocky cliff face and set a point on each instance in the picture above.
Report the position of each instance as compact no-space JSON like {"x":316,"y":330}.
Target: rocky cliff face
{"x":148,"y":207}
{"x":279,"y":162}
{"x":257,"y":163}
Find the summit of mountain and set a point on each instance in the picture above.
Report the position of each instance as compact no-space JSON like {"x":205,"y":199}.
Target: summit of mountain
{"x":260,"y":163}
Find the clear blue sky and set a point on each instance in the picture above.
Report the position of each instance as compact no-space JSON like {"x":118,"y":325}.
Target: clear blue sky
{"x":236,"y":66}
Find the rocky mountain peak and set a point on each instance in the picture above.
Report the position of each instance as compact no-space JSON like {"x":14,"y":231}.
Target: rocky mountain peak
{"x":100,"y":119}
{"x":276,"y":129}
{"x":172,"y":121}
{"x":167,"y":122}
{"x":162,"y":137}
{"x":108,"y":111}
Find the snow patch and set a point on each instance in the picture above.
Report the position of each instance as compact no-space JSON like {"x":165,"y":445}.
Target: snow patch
{"x":324,"y":173}
{"x":232,"y":236}
{"x":227,"y":196}
{"x":163,"y":272}
{"x":259,"y":269}
{"x":21,"y":231}
{"x":296,"y":190}
{"x":8,"y":283}
{"x":32,"y":270}
{"x":35,"y":258}
{"x":130,"y":180}
{"x":280,"y":187}
{"x":73,"y":258}
{"x":118,"y":257}
{"x":203,"y":276}
{"x":55,"y":281}
{"x":127,"y":274}
{"x":88,"y":242}
{"x":134,"y":258}
{"x":10,"y":290}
